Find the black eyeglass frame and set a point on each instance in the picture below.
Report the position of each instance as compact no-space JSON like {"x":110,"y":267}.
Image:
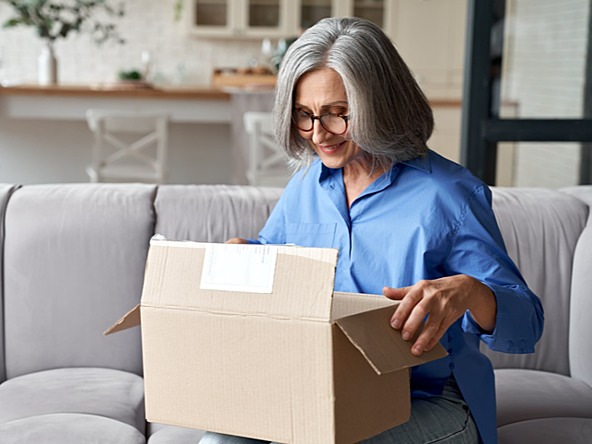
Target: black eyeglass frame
{"x":320,"y":119}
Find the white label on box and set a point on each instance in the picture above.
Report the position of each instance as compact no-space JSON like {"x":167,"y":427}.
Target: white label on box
{"x":248,"y":268}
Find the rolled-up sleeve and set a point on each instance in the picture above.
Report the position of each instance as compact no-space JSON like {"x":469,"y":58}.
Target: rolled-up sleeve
{"x":478,"y":250}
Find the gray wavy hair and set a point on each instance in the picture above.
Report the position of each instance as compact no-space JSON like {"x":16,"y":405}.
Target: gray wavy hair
{"x":390,"y":117}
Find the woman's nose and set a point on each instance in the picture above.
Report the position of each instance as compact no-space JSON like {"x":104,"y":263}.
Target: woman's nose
{"x":319,"y":134}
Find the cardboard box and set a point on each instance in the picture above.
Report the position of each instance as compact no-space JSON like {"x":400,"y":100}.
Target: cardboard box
{"x":251,"y":340}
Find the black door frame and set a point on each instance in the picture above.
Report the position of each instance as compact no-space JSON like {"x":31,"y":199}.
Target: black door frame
{"x":482,"y":129}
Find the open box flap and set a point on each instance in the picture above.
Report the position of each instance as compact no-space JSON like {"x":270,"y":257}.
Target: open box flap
{"x":129,"y":320}
{"x":283,"y":282}
{"x":382,"y":346}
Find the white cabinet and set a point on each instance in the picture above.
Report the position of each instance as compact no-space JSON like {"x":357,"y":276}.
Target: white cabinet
{"x":381,"y":12}
{"x":430,"y":35}
{"x":278,"y":18}
{"x":238,"y":18}
{"x":306,"y":13}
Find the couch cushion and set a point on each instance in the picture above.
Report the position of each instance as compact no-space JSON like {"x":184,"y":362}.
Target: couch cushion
{"x":530,"y":394}
{"x":212,"y":213}
{"x":69,"y":428}
{"x":110,"y":393}
{"x":175,"y":435}
{"x":541,"y":229}
{"x":74,"y":263}
{"x":547,"y":431}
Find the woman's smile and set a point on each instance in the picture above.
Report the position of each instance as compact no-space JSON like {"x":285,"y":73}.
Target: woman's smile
{"x":331,"y":149}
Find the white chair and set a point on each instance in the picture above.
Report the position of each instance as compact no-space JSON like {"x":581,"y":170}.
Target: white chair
{"x":128,"y":146}
{"x":267,"y":164}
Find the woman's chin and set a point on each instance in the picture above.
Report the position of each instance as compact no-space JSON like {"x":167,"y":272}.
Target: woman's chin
{"x":332,"y":162}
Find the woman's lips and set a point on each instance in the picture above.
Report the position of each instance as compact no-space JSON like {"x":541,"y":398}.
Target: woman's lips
{"x":330,"y":149}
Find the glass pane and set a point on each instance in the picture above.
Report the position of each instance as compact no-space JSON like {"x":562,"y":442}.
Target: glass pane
{"x":211,"y":12}
{"x":538,"y":164}
{"x":264,"y":13}
{"x":372,"y":10}
{"x":542,"y":62}
{"x":312,"y":11}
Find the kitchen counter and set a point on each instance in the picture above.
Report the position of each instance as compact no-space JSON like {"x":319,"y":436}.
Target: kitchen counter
{"x":116,"y":90}
{"x":70,"y":102}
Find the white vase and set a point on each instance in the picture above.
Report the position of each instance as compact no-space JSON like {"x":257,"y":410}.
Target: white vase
{"x":47,"y":73}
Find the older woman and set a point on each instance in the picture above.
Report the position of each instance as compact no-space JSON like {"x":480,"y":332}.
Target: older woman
{"x":407,"y":222}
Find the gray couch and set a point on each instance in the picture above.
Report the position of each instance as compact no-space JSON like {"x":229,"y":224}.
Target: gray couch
{"x":73,"y":260}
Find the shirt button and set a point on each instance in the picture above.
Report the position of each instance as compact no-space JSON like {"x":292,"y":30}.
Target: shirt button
{"x":450,"y":350}
{"x":451,"y":366}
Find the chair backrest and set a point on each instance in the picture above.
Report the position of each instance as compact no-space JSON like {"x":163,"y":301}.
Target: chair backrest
{"x":128,"y":146}
{"x":267,"y":164}
{"x":541,"y":229}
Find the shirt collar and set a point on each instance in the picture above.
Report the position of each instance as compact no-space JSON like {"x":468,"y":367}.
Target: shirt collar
{"x":421,"y":163}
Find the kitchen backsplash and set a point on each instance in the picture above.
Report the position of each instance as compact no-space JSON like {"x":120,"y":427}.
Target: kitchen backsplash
{"x":149,"y":25}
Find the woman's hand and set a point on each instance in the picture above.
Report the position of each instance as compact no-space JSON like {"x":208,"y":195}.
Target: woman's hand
{"x":237,"y":240}
{"x":443,"y":301}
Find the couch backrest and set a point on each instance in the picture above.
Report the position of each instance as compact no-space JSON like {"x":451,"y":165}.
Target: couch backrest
{"x":541,"y":228}
{"x":98,"y":235}
{"x":580,"y":326}
{"x":5,"y":192}
{"x":212,"y":213}
{"x":74,"y":263}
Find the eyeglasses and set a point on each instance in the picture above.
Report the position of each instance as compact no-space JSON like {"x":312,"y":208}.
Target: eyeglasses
{"x":333,"y":123}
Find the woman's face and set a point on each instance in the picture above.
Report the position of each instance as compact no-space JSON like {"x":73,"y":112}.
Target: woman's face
{"x":320,"y":92}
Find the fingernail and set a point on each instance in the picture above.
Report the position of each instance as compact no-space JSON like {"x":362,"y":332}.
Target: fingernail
{"x":406,"y":336}
{"x":396,"y":324}
{"x":417,"y":350}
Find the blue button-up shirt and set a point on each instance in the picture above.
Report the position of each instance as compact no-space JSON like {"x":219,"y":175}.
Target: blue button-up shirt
{"x":422,"y":219}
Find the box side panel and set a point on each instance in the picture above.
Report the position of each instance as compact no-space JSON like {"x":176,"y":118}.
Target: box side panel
{"x":365,"y":403}
{"x":202,"y":371}
{"x":254,"y":377}
{"x":312,"y":384}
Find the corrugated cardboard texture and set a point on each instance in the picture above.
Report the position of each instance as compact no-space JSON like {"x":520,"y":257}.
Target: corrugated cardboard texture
{"x":383,"y":346}
{"x":249,"y":376}
{"x":347,"y":304}
{"x":172,"y":280}
{"x":365,"y":402}
{"x":129,"y":320}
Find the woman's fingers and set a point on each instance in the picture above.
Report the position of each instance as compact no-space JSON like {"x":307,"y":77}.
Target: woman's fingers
{"x":427,"y":310}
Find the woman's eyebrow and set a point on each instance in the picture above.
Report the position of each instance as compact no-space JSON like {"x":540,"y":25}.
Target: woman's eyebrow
{"x":327,"y":105}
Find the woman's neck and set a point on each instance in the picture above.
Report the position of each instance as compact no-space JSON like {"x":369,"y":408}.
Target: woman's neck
{"x":357,"y":175}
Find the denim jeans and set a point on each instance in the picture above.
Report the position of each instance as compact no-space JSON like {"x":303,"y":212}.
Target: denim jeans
{"x":444,"y":419}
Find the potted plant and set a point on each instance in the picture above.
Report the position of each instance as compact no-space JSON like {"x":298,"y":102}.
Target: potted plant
{"x":55,"y":19}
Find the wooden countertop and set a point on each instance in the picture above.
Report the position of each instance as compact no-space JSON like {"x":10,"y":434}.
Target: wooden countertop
{"x":113,"y":90}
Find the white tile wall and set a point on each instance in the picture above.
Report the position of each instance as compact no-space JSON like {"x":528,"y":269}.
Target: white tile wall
{"x":544,"y":63}
{"x":148,"y":25}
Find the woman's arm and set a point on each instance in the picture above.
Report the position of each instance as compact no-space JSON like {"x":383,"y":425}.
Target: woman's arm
{"x":482,"y":285}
